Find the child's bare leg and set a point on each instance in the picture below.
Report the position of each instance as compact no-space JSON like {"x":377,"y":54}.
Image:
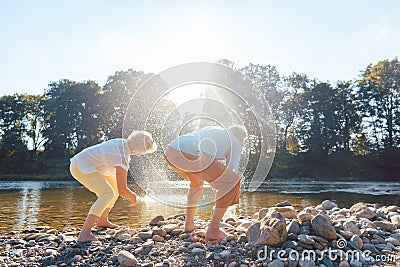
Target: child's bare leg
{"x":86,"y":233}
{"x":103,"y":220}
{"x":194,"y":195}
{"x":189,"y":223}
{"x":213,"y":231}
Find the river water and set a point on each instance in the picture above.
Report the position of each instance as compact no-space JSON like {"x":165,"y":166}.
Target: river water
{"x":27,"y":204}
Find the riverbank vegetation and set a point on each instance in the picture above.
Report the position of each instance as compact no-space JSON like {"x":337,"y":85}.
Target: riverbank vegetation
{"x":324,"y":129}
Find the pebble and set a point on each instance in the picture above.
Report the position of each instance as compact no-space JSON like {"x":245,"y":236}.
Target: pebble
{"x":197,"y":250}
{"x":125,"y":258}
{"x":145,"y":235}
{"x":158,"y":238}
{"x":357,"y":241}
{"x":276,"y":263}
{"x":305,"y":239}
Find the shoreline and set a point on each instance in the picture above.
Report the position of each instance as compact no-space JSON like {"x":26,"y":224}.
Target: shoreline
{"x":68,"y":177}
{"x":265,"y":239}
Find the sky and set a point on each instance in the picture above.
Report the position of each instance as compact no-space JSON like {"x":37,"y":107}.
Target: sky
{"x":45,"y":41}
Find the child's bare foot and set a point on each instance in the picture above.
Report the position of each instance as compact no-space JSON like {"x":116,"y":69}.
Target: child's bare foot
{"x":107,"y":224}
{"x":191,"y":227}
{"x":86,"y":237}
{"x":215,"y":235}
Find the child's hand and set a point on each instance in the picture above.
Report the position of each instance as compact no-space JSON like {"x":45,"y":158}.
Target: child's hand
{"x":132,"y":199}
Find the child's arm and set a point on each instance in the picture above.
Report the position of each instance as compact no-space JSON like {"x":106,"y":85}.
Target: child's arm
{"x":123,"y":189}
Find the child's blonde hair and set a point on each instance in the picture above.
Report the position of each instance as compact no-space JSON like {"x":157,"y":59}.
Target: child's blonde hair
{"x":141,"y":141}
{"x":239,"y":131}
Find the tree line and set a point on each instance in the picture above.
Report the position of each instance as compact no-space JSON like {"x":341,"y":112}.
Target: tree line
{"x":344,"y":128}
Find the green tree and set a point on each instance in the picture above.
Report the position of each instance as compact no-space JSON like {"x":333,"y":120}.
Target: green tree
{"x":72,"y":117}
{"x":115,"y":97}
{"x":378,"y":95}
{"x":12,"y":128}
{"x":34,"y":121}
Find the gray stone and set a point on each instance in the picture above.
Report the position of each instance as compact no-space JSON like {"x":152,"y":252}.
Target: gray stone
{"x":197,"y":250}
{"x":287,"y":212}
{"x":328,"y":205}
{"x":124,"y":237}
{"x":272,"y":229}
{"x":283,"y":204}
{"x":396,"y":236}
{"x":344,"y":264}
{"x":370,"y":247}
{"x":242,"y":228}
{"x":170,"y":227}
{"x":158,"y":238}
{"x":356,"y":240}
{"x":304,"y":217}
{"x":148,"y":244}
{"x":160,"y":232}
{"x":319,"y":239}
{"x":305,"y":239}
{"x":293,"y":227}
{"x":346,"y":234}
{"x":351,"y":227}
{"x":387,"y":226}
{"x":253,"y":233}
{"x":276,"y":263}
{"x":126,"y":259}
{"x":145,"y":235}
{"x":392,"y":241}
{"x":322,"y":225}
{"x":289,"y":244}
{"x":395,"y":220}
{"x":383,"y":247}
{"x":311,"y":210}
{"x":355,"y":263}
{"x":224,"y":254}
{"x":305,"y":230}
{"x":363,"y":211}
{"x":306,"y":246}
{"x":307,"y":263}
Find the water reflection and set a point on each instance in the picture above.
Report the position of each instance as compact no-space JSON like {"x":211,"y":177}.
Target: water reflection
{"x":66,"y":205}
{"x":28,"y":206}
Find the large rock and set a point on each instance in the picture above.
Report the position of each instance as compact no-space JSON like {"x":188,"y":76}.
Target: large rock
{"x":396,"y":220}
{"x":357,"y":241}
{"x":328,"y":205}
{"x":387,"y":226}
{"x":303,"y":217}
{"x":242,"y":228}
{"x":313,"y":211}
{"x":286,"y":211}
{"x":293,"y":227}
{"x":272,"y":229}
{"x":155,"y":220}
{"x":322,"y":225}
{"x":126,"y":259}
{"x":253,"y":232}
{"x":351,"y":227}
{"x":170,"y":227}
{"x":283,"y":204}
{"x":363,"y":211}
{"x":145,"y":234}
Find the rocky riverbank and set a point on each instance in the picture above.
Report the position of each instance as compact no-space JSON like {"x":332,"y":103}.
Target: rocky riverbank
{"x":325,"y":235}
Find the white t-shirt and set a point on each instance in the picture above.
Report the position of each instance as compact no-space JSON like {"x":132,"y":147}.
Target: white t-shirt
{"x":104,"y":157}
{"x":213,"y":140}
